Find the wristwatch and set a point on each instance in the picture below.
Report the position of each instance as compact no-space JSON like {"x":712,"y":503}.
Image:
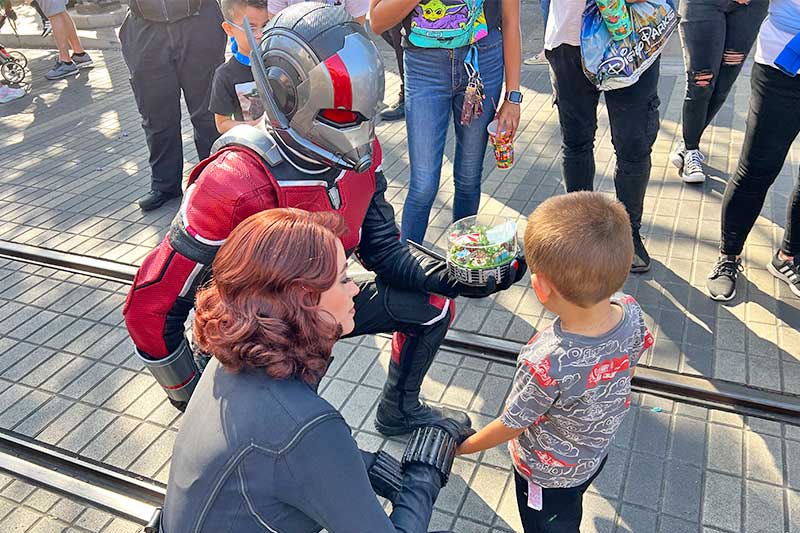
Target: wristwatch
{"x":515,"y":97}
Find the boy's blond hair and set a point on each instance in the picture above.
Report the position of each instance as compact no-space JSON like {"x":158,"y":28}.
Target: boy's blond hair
{"x":581,"y":242}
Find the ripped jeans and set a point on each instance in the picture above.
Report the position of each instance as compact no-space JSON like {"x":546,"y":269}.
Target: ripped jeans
{"x":632,"y":113}
{"x":716,"y":36}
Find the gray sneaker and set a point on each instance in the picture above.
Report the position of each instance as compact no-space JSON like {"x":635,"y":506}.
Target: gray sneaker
{"x":84,"y":61}
{"x":62,"y":70}
{"x":721,"y":282}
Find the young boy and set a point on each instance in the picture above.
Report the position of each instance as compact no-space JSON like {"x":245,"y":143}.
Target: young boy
{"x":573,"y":380}
{"x":234,"y":99}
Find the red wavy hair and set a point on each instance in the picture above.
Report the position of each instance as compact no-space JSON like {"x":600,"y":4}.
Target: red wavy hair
{"x":260,"y":309}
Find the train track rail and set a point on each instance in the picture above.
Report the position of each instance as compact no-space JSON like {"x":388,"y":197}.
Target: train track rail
{"x":116,"y":491}
{"x":708,"y":392}
{"x":134,"y":497}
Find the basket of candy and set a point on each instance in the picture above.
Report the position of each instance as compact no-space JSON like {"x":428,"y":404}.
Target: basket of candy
{"x":482,"y":246}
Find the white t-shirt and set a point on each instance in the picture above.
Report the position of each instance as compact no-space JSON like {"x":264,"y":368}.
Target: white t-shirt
{"x":564,"y":23}
{"x":356,"y":8}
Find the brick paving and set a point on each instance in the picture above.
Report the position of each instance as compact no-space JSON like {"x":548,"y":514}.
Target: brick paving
{"x":27,"y":508}
{"x":68,"y":378}
{"x":73,"y":162}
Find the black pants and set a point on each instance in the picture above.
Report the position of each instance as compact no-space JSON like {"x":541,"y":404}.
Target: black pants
{"x":163,"y":60}
{"x":562,"y":509}
{"x":419,"y":322}
{"x":709,"y":29}
{"x":633,"y":113}
{"x":773,"y":124}
{"x":395,"y":40}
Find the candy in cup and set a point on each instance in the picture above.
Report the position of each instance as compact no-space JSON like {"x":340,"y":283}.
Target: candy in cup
{"x":503,"y":146}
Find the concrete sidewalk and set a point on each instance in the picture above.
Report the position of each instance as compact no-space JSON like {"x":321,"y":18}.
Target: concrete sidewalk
{"x":69,"y":378}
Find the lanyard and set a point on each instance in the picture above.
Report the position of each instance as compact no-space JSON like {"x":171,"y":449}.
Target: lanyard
{"x":240,"y":57}
{"x":471,"y":61}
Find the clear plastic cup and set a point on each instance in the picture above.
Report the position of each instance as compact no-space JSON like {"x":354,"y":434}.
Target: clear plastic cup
{"x":503,"y":146}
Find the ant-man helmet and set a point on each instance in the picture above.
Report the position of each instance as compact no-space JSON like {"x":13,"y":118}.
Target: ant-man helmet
{"x":321,"y":80}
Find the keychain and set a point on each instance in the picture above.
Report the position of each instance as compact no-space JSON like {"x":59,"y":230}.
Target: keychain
{"x":474,"y":94}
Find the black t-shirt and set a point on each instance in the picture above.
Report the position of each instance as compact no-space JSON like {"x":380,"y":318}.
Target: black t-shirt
{"x":438,"y":11}
{"x":233,"y":92}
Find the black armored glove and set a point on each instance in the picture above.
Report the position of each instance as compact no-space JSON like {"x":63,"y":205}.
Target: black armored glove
{"x":439,"y":280}
{"x":385,"y":474}
{"x":435,"y":446}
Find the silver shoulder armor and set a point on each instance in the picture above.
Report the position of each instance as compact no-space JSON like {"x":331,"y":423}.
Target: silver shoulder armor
{"x":256,"y":139}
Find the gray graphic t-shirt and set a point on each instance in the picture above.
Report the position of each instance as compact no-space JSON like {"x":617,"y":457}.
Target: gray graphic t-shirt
{"x":572,"y":393}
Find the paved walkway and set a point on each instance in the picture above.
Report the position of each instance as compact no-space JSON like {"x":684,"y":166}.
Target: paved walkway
{"x":27,"y":508}
{"x":69,"y":378}
{"x":73,"y":162}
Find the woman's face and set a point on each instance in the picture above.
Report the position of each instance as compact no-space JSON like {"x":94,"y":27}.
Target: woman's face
{"x":338,"y":300}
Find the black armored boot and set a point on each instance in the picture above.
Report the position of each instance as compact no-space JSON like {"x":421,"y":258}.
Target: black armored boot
{"x":400,"y":410}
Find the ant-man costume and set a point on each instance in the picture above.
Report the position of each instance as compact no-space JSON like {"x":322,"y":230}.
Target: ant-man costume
{"x":322,"y":83}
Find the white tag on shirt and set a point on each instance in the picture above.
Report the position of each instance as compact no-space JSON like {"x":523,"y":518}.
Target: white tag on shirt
{"x":534,"y":496}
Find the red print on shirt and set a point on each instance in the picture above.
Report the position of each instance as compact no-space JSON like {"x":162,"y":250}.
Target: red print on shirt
{"x":607,"y":369}
{"x":515,"y":456}
{"x":648,"y":340}
{"x":549,"y":459}
{"x":541,"y":372}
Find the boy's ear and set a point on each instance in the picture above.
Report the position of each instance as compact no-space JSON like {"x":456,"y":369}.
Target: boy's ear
{"x":227,"y":28}
{"x":541,"y":287}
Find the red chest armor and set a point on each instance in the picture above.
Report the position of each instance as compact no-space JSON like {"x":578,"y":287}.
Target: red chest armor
{"x":237,"y":182}
{"x":350,"y":197}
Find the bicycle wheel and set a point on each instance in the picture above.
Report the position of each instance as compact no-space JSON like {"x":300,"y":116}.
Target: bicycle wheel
{"x":19,"y":57}
{"x":12,"y":72}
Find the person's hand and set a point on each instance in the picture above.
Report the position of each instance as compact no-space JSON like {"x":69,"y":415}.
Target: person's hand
{"x":508,"y":119}
{"x":520,"y":266}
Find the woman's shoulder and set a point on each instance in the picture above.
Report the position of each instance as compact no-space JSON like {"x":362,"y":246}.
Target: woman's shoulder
{"x":280,"y":404}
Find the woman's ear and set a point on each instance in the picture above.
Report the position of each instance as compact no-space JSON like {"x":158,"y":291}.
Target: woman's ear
{"x":541,"y":287}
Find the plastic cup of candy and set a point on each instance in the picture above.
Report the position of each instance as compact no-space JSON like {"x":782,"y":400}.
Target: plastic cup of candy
{"x":480,"y":247}
{"x":503,"y":146}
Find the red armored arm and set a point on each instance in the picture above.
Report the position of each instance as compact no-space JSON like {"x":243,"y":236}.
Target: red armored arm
{"x":224,"y":190}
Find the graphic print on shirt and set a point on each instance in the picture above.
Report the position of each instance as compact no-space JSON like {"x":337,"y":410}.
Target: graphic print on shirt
{"x":436,"y":15}
{"x":571,"y":394}
{"x":249,"y":101}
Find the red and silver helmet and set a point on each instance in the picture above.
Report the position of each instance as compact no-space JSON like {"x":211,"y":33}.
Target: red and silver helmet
{"x":321,"y":80}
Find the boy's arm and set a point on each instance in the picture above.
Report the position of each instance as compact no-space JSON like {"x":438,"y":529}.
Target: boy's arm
{"x":532,"y":394}
{"x":225,"y":123}
{"x":489,"y":437}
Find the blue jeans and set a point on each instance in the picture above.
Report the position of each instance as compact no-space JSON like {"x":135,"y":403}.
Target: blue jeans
{"x":435,"y":81}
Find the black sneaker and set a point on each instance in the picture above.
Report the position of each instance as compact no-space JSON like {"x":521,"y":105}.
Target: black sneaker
{"x":641,"y":259}
{"x":395,"y":112}
{"x":155,"y":199}
{"x":787,"y":271}
{"x":721,"y":282}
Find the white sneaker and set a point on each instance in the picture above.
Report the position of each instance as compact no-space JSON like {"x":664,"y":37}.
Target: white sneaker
{"x":693,"y":167}
{"x":8,"y":94}
{"x":677,"y":155}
